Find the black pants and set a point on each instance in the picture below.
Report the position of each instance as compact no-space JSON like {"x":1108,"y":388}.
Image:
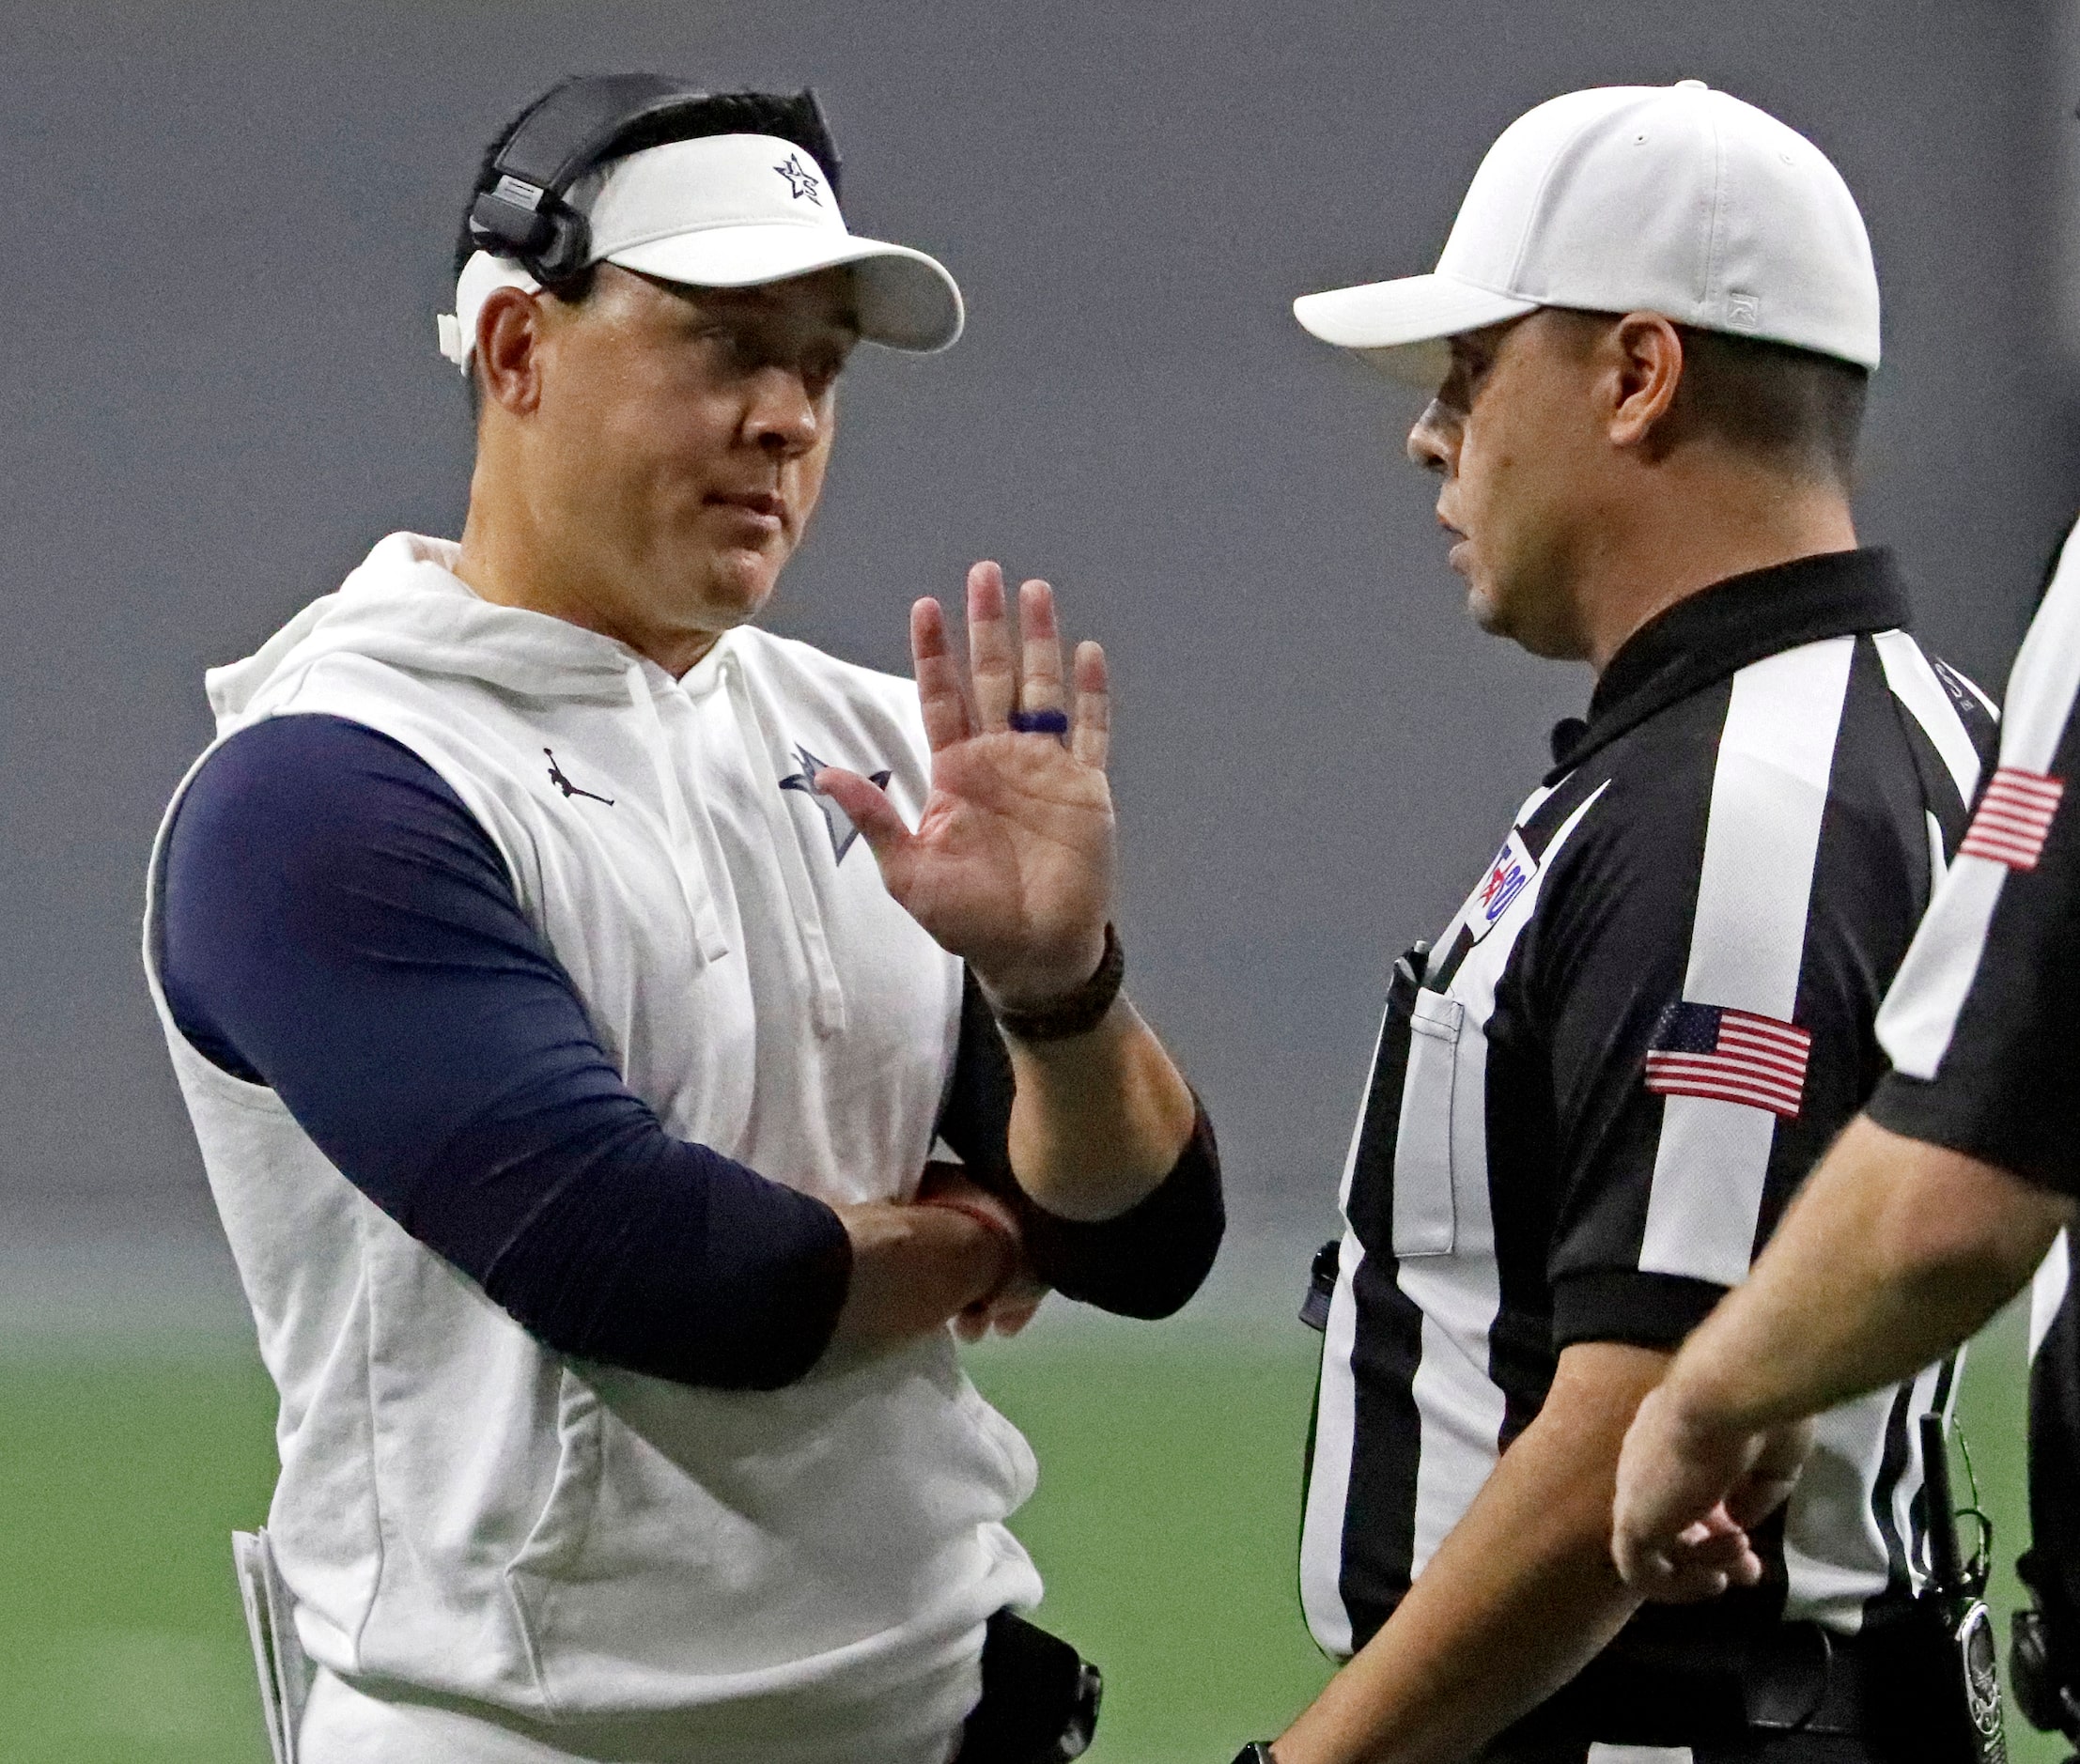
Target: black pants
{"x":1757,"y":1748}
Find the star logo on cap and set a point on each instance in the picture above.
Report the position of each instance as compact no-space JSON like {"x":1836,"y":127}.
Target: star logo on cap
{"x":837,"y":823}
{"x":801,"y":182}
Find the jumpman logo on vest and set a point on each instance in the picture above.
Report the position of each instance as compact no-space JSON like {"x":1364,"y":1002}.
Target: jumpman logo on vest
{"x":556,"y":777}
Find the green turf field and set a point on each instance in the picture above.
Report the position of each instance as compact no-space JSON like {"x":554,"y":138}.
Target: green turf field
{"x":1165,"y":1522}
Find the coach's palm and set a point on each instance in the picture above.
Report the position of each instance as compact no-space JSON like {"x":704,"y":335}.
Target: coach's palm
{"x":1011,"y":864}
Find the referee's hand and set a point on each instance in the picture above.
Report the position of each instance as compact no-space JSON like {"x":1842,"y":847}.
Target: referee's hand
{"x":1011,"y":865}
{"x":1688,"y":1496}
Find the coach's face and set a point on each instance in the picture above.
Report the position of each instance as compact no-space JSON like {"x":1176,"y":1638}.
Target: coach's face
{"x":1512,"y":434}
{"x":674,"y":441}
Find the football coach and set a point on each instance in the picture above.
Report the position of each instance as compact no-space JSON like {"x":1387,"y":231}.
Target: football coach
{"x":568,"y":984}
{"x":1650,"y":334}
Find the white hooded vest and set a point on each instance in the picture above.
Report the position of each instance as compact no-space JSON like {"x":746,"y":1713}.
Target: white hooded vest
{"x":463,"y":1512}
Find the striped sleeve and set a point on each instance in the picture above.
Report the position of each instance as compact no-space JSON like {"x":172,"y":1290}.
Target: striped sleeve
{"x":1717,"y":970}
{"x":1982,"y":1026}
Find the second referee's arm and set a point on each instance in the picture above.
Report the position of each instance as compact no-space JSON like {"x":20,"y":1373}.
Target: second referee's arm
{"x":1936,"y":1206}
{"x":1897,"y":1251}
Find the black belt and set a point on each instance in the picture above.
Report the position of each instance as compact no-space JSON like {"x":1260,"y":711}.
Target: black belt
{"x":1792,"y":1678}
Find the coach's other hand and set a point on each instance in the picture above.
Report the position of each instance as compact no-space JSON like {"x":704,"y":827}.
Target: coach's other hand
{"x":918,"y":1265}
{"x":1013,"y":1305}
{"x":1011,"y":865}
{"x":1688,"y":1496}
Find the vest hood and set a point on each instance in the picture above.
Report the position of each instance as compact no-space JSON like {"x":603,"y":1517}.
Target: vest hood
{"x":406,"y":606}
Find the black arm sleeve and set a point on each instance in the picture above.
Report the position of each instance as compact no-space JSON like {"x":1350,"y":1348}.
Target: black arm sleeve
{"x":1145,"y":1262}
{"x":337,"y":926}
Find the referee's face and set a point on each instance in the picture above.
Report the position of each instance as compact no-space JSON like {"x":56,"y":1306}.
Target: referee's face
{"x":1512,"y":437}
{"x":680,"y":439}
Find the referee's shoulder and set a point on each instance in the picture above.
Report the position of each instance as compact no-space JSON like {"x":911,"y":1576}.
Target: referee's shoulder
{"x":1899,"y":724}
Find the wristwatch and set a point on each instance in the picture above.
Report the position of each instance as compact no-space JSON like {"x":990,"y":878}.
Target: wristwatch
{"x":1256,"y":1752}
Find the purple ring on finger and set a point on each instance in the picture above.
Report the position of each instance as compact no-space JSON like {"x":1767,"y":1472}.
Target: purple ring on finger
{"x":1054,"y":722}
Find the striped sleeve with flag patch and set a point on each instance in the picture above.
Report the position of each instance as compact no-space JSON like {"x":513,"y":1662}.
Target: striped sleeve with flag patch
{"x":1736,"y":1056}
{"x":1719,"y":1028}
{"x":1981,"y":1026}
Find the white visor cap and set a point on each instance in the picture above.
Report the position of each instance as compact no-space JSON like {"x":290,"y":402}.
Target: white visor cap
{"x":732,"y":210}
{"x":1672,"y":199}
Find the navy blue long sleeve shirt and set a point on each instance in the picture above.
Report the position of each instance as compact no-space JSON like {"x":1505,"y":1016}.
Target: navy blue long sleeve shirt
{"x":337,"y":926}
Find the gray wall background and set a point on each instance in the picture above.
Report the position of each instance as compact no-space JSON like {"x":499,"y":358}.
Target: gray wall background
{"x":227,"y":231}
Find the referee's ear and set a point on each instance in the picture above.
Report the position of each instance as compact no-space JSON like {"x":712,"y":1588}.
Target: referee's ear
{"x":1644,"y":354}
{"x":507,"y":368}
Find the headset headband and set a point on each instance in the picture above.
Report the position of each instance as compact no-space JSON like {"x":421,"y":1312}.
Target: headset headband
{"x":524,"y":214}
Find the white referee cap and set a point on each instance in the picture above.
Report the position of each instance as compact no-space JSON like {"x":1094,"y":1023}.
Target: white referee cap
{"x":1672,"y":199}
{"x":730,"y":210}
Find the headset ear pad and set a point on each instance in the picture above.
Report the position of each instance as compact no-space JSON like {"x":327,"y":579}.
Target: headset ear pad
{"x":551,"y":240}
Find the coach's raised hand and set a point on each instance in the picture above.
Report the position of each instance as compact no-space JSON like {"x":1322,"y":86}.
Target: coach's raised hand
{"x":1011,"y":868}
{"x":1011,"y":865}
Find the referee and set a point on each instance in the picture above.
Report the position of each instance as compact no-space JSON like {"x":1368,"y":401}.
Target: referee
{"x":1930,"y":1213}
{"x":1593,"y":1092}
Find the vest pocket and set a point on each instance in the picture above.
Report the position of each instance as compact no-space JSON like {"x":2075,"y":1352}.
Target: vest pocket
{"x":1425,"y":1218}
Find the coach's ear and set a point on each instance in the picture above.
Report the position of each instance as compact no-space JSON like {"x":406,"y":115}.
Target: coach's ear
{"x":509,"y":339}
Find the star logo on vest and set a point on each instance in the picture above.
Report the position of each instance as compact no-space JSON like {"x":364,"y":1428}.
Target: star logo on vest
{"x":556,"y":777}
{"x":801,"y":182}
{"x":837,"y":823}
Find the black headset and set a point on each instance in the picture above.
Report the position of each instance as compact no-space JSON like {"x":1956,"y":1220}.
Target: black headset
{"x":522,"y":212}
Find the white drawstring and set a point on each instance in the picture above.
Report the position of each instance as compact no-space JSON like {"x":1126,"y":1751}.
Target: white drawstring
{"x":680,"y":817}
{"x":760,"y":737}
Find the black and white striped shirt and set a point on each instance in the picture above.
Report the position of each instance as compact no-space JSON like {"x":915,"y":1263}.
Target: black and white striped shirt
{"x":1980,"y":1026}
{"x":1590,"y":1101}
{"x":1983,"y":1034}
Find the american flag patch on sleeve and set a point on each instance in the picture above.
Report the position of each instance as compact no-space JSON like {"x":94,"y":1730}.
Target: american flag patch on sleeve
{"x":1734,"y":1056}
{"x":2015,"y":818}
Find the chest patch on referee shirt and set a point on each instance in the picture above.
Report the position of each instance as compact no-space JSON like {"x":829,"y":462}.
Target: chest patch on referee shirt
{"x":1507,"y":876}
{"x":1731,"y":1055}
